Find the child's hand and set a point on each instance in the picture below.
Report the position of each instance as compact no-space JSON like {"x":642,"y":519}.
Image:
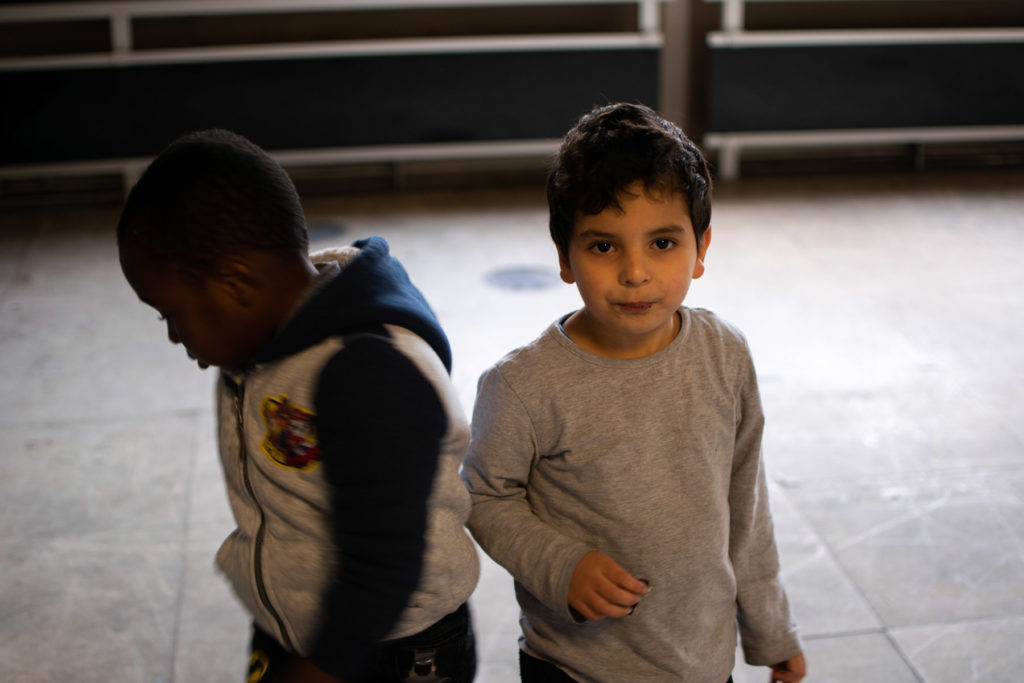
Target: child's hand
{"x":600,"y":588}
{"x":790,"y":671}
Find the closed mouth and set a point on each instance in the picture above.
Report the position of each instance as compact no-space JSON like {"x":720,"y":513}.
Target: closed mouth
{"x":635,"y":306}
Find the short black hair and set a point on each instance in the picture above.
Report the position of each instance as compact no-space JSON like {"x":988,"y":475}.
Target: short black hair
{"x":610,"y":148}
{"x":210,"y":194}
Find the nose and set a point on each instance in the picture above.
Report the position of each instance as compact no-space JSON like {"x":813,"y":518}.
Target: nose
{"x":172,"y":334}
{"x":633,"y":270}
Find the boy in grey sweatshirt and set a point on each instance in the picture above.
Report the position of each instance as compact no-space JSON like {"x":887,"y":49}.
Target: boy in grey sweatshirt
{"x":615,"y":462}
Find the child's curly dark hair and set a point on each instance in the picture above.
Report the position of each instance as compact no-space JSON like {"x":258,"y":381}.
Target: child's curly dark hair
{"x":612,"y":147}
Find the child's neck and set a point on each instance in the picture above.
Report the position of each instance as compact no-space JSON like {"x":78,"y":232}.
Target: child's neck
{"x":285,"y":278}
{"x":590,"y":335}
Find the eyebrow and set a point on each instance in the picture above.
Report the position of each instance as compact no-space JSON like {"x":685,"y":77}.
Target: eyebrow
{"x":657,"y":232}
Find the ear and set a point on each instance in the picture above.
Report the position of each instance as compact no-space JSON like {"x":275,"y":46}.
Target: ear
{"x":235,"y":278}
{"x":564,"y":269}
{"x":702,"y":250}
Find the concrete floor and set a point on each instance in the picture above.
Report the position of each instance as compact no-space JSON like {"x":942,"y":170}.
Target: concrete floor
{"x":886,"y":318}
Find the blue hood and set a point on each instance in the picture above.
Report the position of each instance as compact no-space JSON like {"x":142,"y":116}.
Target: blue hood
{"x":373,"y":289}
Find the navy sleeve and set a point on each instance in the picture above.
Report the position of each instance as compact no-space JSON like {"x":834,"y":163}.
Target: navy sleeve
{"x":380,"y":424}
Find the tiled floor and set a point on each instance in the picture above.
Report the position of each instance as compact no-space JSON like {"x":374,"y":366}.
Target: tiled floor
{"x":886,"y":316}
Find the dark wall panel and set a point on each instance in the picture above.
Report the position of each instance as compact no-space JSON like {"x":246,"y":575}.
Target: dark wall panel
{"x":95,"y":113}
{"x":865,"y":86}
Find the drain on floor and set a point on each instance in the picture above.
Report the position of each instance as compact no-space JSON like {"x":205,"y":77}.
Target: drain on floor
{"x":523,"y":277}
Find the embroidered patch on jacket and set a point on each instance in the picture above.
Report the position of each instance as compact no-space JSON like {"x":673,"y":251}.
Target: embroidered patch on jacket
{"x":291,"y":436}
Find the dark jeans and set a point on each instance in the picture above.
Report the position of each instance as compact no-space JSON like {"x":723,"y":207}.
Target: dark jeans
{"x":442,"y":653}
{"x":533,"y":670}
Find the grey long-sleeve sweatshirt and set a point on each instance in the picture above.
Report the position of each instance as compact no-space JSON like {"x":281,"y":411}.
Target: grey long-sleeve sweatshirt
{"x":655,"y":461}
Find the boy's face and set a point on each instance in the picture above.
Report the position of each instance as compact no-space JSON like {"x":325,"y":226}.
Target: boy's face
{"x":633,"y":268}
{"x":205,"y":317}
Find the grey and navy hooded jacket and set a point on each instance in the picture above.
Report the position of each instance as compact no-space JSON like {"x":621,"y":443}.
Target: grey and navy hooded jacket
{"x":341,"y":447}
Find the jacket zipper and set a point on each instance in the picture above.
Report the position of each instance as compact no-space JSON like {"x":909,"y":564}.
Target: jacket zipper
{"x":257,"y":562}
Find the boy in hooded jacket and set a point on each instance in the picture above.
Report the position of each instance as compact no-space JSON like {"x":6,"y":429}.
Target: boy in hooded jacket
{"x":340,"y":433}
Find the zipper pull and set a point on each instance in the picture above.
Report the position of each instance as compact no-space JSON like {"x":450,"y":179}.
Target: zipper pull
{"x":240,"y":423}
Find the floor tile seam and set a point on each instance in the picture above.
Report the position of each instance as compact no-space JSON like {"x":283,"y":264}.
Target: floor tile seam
{"x":184,"y":545}
{"x":904,"y":656}
{"x":851,"y":633}
{"x":75,"y":543}
{"x":1007,"y":527}
{"x":854,"y":585}
{"x":908,"y":657}
{"x":849,"y":481}
{"x":883,"y":631}
{"x":917,"y":512}
{"x":894,"y":631}
{"x":959,"y":621}
{"x":809,"y":560}
{"x":830,"y":552}
{"x":89,"y":420}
